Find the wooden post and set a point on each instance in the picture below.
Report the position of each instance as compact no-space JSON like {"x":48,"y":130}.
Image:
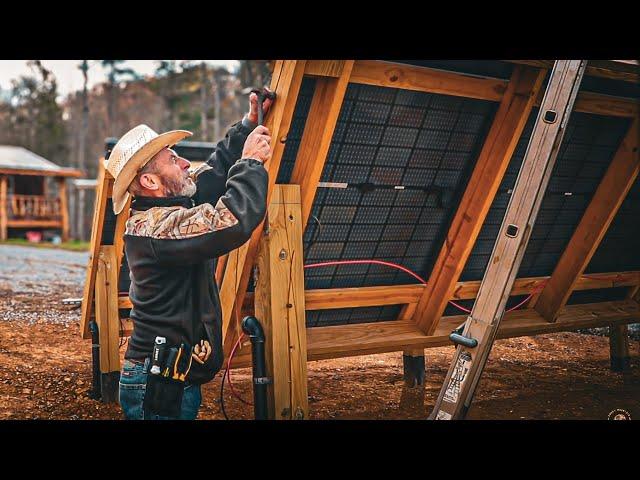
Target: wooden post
{"x":102,"y":195}
{"x":3,"y":207}
{"x":280,"y":307}
{"x":619,"y":347}
{"x":106,"y":299}
{"x":64,"y":208}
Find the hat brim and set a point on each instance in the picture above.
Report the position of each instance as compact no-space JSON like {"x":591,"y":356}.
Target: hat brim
{"x":120,"y":195}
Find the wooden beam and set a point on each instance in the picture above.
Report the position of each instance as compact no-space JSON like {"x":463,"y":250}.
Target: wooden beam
{"x":219,"y":274}
{"x":325,"y":68}
{"x":625,"y":70}
{"x":422,"y":79}
{"x":603,"y":207}
{"x":380,"y":337}
{"x":329,"y":298}
{"x":280,"y":306}
{"x":41,"y":173}
{"x":286,"y":81}
{"x":35,"y":223}
{"x":64,"y":209}
{"x":94,"y":250}
{"x":589,"y":102}
{"x":106,"y":296}
{"x":118,"y":235}
{"x":3,"y":207}
{"x":492,"y":163}
{"x":318,"y":132}
{"x":369,"y":338}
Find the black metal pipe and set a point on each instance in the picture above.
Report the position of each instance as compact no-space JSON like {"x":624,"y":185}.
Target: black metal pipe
{"x":251,"y":327}
{"x":95,"y":361}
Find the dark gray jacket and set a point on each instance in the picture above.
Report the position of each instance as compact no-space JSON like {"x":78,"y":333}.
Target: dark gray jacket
{"x":171,"y":246}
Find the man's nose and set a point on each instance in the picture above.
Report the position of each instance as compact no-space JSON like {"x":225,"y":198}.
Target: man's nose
{"x":184,"y":163}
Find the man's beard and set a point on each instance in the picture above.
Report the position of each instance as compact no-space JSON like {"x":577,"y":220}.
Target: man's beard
{"x":175,"y":188}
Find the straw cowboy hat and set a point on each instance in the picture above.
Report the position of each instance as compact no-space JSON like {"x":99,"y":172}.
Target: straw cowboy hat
{"x":132,"y":152}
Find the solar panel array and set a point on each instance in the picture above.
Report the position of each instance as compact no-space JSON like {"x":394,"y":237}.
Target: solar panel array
{"x":586,"y":152}
{"x":429,"y":144}
{"x":386,"y":137}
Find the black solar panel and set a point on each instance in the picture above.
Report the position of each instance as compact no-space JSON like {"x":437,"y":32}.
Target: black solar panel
{"x":587,"y":150}
{"x":618,"y":250}
{"x":386,"y":137}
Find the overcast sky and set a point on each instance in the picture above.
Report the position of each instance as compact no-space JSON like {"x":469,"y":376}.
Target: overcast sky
{"x":70,"y":77}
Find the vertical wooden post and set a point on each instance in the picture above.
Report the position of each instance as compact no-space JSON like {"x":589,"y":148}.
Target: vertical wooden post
{"x":106,"y":300}
{"x":64,"y":209}
{"x":279,"y":305}
{"x":3,"y":206}
{"x":619,"y":347}
{"x":105,"y":180}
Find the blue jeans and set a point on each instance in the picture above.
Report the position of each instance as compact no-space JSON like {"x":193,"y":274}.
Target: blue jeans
{"x":133,"y":382}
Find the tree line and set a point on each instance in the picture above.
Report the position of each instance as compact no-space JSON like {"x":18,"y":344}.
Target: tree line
{"x":71,"y":132}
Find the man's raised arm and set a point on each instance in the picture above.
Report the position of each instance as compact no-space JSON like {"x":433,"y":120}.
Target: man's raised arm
{"x":211,"y":177}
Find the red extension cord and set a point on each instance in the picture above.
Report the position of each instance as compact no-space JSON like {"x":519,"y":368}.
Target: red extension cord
{"x":369,"y":262}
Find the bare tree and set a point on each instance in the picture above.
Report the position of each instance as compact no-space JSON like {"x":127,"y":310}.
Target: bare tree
{"x":115,"y":75}
{"x":84,"y":67}
{"x":204,"y":101}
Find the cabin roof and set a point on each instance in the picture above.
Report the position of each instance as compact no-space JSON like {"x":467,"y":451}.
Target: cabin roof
{"x":19,"y":160}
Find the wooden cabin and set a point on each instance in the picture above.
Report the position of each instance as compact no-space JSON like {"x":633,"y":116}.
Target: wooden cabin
{"x":33,"y":193}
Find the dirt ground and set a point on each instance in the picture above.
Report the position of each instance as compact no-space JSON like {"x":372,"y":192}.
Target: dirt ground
{"x":46,"y":368}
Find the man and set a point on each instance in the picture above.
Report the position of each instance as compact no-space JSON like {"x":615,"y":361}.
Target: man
{"x":179,"y":224}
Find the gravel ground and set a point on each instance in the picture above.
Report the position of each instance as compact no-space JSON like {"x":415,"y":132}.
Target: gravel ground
{"x":33,"y":277}
{"x":46,"y":366}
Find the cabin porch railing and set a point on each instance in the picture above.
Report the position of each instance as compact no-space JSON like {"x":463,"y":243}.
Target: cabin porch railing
{"x":33,"y":207}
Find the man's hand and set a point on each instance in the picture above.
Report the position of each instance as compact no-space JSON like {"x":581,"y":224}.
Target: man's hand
{"x":253,"y":106}
{"x":258,"y":144}
{"x":201,"y":352}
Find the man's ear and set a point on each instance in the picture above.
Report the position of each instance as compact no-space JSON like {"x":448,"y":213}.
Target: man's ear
{"x":150,"y":181}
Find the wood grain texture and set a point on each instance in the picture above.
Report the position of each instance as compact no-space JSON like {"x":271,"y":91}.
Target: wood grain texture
{"x":604,"y":205}
{"x":474,"y":206}
{"x":625,"y":70}
{"x":106,"y":303}
{"x":64,"y":209}
{"x":279,"y":304}
{"x":318,"y":132}
{"x":286,"y":82}
{"x":422,"y":79}
{"x":328,"y":298}
{"x":380,"y":337}
{"x":4,"y":180}
{"x":94,"y":249}
{"x":325,"y":68}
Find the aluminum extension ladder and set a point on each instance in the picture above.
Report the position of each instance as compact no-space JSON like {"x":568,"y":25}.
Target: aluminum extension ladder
{"x":476,"y":339}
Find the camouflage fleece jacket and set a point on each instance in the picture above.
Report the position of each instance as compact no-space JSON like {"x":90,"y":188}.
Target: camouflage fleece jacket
{"x":171,"y":246}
